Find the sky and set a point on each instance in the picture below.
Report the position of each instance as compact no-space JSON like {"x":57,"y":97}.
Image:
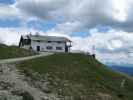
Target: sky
{"x":103,"y":24}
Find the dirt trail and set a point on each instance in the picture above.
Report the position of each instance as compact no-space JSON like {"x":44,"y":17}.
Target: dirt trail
{"x":13,"y":60}
{"x":12,"y":80}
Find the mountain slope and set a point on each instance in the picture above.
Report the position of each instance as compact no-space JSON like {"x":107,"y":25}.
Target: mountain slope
{"x":13,"y":51}
{"x":78,"y":76}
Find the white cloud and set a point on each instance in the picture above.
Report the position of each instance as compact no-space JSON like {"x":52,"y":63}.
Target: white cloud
{"x":75,"y":15}
{"x":116,"y":44}
{"x":67,"y":27}
{"x":11,"y":36}
{"x":120,"y":9}
{"x":112,"y":47}
{"x":8,"y":11}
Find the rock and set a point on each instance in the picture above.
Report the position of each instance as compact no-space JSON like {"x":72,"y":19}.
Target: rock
{"x":46,"y":89}
{"x":5,"y":95}
{"x":60,"y":91}
{"x":104,"y":96}
{"x":45,"y":98}
{"x":24,"y":94}
{"x":5,"y":85}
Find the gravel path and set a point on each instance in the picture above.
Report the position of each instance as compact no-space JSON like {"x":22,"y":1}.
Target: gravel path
{"x":12,"y":60}
{"x":13,"y":84}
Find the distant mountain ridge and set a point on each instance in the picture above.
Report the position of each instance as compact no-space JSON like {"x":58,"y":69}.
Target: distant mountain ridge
{"x":125,"y":69}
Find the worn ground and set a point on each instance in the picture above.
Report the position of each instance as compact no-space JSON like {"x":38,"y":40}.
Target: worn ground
{"x":14,"y":84}
{"x":61,"y":77}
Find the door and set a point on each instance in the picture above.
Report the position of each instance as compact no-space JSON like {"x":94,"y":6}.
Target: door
{"x":66,"y":48}
{"x":38,"y":48}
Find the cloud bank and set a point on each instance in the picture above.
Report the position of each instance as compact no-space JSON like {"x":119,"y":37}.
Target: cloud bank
{"x":76,"y":15}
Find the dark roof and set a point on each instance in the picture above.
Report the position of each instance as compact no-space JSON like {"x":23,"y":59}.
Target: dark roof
{"x":46,"y":38}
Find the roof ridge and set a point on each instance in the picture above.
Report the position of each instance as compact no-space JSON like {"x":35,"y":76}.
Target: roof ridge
{"x":44,"y":37}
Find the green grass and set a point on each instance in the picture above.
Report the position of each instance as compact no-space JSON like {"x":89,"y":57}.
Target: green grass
{"x":82,"y":74}
{"x":13,"y":51}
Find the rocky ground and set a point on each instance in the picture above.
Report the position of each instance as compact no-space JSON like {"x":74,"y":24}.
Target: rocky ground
{"x":14,"y":85}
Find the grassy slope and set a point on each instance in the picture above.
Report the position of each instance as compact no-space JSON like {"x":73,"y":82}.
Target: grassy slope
{"x":12,"y":52}
{"x":78,"y":74}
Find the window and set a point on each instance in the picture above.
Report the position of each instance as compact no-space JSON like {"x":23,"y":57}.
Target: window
{"x":58,"y":48}
{"x":49,"y":41}
{"x":58,"y":41}
{"x":49,"y":47}
{"x":26,"y":41}
{"x":38,"y":41}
